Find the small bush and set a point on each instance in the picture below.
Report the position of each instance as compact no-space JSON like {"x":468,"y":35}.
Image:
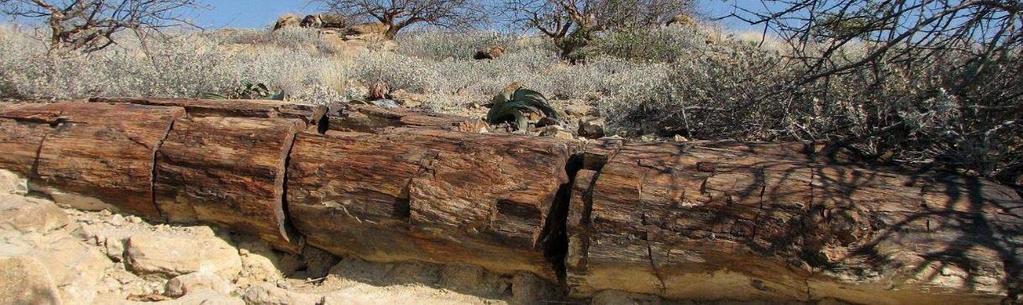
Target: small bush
{"x":668,"y":44}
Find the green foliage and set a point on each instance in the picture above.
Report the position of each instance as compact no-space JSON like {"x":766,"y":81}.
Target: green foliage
{"x":668,"y":44}
{"x":516,"y":108}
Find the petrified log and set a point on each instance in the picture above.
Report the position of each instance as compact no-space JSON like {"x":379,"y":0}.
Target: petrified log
{"x":22,"y":130}
{"x":692,"y":222}
{"x":369,"y":118}
{"x":312,"y":115}
{"x":427,"y":195}
{"x":228,"y":171}
{"x":98,"y":154}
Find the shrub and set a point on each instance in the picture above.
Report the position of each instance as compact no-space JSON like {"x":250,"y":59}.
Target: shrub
{"x":668,"y":44}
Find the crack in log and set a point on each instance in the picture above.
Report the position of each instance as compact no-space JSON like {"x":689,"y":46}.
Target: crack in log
{"x":153,"y":171}
{"x":554,"y":235}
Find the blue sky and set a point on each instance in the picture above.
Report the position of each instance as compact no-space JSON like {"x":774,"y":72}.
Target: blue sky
{"x":260,"y":13}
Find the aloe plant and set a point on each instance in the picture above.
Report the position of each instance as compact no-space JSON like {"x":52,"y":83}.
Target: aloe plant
{"x":517,"y":106}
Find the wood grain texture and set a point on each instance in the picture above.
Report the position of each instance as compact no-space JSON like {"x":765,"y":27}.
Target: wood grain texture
{"x":105,"y":152}
{"x":369,"y":118}
{"x":310,"y":114}
{"x":228,"y":171}
{"x":727,"y":222}
{"x":22,"y":130}
{"x":427,"y":195}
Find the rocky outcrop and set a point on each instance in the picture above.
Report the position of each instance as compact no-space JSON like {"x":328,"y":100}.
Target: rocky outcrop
{"x":693,"y":220}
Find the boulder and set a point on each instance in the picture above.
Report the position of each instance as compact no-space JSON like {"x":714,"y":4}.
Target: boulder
{"x":73,"y":267}
{"x":379,"y":90}
{"x":311,"y":21}
{"x":169,"y":256}
{"x":368,"y":28}
{"x":287,"y":21}
{"x":488,"y":53}
{"x":30,"y":215}
{"x":591,"y":128}
{"x":26,"y":281}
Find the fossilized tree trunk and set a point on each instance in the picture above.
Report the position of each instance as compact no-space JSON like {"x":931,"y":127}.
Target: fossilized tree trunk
{"x":369,"y":118}
{"x":692,"y":222}
{"x":90,"y":154}
{"x":429,"y":195}
{"x":228,"y":171}
{"x":697,"y":220}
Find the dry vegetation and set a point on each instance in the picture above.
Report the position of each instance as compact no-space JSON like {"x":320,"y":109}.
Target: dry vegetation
{"x":699,"y":82}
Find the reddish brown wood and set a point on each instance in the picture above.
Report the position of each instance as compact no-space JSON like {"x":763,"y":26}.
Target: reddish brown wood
{"x":369,"y":118}
{"x":693,"y":222}
{"x":428,"y":195}
{"x":22,"y":130}
{"x":312,"y":115}
{"x":228,"y":171}
{"x":105,"y":152}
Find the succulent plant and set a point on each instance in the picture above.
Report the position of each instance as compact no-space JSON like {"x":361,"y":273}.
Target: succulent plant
{"x":517,"y":105}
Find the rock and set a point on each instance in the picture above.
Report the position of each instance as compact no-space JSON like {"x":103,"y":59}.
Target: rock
{"x":72,"y":266}
{"x":472,"y":280}
{"x":318,"y":262}
{"x":591,"y":129}
{"x":202,"y":297}
{"x":258,"y":261}
{"x":529,"y":289}
{"x":556,"y":132}
{"x":407,"y":99}
{"x":30,"y":215}
{"x":25,"y":281}
{"x":268,"y":294}
{"x":613,"y":297}
{"x":332,"y":21}
{"x":168,"y":256}
{"x":488,"y":53}
{"x":385,"y":103}
{"x":581,"y":110}
{"x":12,"y":183}
{"x":287,"y":21}
{"x":378,"y":91}
{"x":196,"y":281}
{"x":311,"y":21}
{"x":369,"y":28}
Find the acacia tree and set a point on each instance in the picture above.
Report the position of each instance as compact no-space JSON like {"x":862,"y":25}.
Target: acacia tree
{"x":976,"y":47}
{"x":90,"y":25}
{"x":400,"y":14}
{"x":572,"y":24}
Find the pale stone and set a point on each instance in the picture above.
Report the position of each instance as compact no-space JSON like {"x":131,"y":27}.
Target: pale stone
{"x":25,"y":281}
{"x":28,"y":215}
{"x":197,"y":281}
{"x":11,"y":183}
{"x":169,"y":256}
{"x":74,"y":267}
{"x":268,"y":294}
